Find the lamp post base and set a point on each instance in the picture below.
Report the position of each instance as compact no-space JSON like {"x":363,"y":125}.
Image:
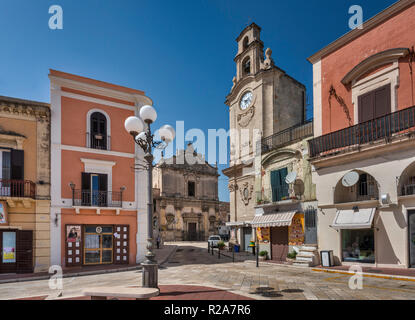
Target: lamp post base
{"x":150,"y":267}
{"x":150,"y":274}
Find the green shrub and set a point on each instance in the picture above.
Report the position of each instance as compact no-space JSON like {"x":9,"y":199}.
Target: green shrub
{"x":292,"y":255}
{"x":221,"y":244}
{"x":263,"y":253}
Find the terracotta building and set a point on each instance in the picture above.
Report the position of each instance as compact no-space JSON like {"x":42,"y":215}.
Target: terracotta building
{"x":363,"y":152}
{"x":263,"y":100}
{"x":98,"y":200}
{"x":186,"y":200}
{"x":24,"y":186}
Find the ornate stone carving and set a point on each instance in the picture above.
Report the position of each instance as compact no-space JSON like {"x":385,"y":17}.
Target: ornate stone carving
{"x":232,"y":187}
{"x":246,"y":192}
{"x":268,"y":62}
{"x":245,"y":118}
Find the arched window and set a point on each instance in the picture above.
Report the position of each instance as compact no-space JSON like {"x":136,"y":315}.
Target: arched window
{"x":246,"y":66}
{"x":98,"y":134}
{"x":245,"y":43}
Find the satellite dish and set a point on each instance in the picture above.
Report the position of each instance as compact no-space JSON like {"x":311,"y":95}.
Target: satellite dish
{"x":350,"y":179}
{"x":290,"y":178}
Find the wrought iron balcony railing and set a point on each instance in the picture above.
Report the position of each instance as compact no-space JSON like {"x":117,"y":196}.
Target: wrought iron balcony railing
{"x":274,"y":194}
{"x":98,"y":141}
{"x":287,"y":136}
{"x":17,"y":188}
{"x":366,"y":132}
{"x":88,"y":198}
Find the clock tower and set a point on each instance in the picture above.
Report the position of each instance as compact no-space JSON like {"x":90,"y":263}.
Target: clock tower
{"x":263,"y":100}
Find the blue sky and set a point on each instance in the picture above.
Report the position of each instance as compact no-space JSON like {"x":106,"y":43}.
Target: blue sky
{"x":179,"y":52}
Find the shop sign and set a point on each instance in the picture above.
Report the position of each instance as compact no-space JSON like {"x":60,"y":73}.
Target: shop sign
{"x":73,"y":233}
{"x":296,"y":230}
{"x":263,"y":235}
{"x":3,"y":214}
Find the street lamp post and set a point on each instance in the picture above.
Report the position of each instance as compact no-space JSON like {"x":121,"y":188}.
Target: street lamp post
{"x":145,"y":139}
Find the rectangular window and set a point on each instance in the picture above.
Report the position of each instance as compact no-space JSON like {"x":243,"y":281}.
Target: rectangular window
{"x":191,"y":189}
{"x":278,"y":185}
{"x":358,"y":245}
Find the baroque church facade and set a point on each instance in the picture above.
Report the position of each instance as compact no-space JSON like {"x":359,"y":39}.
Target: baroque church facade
{"x":186,"y":202}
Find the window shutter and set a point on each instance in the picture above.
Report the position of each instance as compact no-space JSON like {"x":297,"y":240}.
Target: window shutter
{"x":284,"y":186}
{"x":17,"y":165}
{"x":86,"y":189}
{"x":86,"y":181}
{"x":366,"y":108}
{"x":103,"y":182}
{"x":382,"y":98}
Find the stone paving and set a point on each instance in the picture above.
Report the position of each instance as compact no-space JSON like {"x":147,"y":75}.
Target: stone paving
{"x":192,"y":265}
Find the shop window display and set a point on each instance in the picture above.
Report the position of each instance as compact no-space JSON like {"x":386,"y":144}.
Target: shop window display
{"x":358,"y":246}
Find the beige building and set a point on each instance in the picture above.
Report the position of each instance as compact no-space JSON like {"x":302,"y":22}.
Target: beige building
{"x":186,"y":203}
{"x":263,"y":100}
{"x":286,"y":206}
{"x":24,"y":186}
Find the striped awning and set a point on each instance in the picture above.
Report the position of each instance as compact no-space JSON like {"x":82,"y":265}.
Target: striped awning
{"x":280,"y":219}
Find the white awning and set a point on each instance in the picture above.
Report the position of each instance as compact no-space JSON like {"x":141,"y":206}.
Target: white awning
{"x":280,"y":219}
{"x":238,"y":223}
{"x":350,"y":219}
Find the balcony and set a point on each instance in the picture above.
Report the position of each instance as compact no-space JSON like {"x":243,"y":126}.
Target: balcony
{"x":366,"y":189}
{"x":275,"y":195}
{"x":97,"y":199}
{"x":287,"y":136}
{"x":17,"y":188}
{"x":98,"y":141}
{"x":399,"y":122}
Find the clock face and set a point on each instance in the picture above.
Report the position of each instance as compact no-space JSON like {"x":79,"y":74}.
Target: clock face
{"x":246,"y":100}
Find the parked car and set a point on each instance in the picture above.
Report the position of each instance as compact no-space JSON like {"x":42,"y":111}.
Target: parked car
{"x":213,"y":241}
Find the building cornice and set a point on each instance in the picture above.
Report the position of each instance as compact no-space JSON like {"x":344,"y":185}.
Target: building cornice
{"x":20,"y":107}
{"x":367,"y":26}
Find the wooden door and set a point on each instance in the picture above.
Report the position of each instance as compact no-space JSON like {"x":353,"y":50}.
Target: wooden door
{"x":279,"y":243}
{"x":192,"y":233}
{"x":8,"y":239}
{"x":24,"y":252}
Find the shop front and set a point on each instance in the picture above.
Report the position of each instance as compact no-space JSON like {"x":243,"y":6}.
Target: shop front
{"x":357,"y":235}
{"x":278,"y":232}
{"x":105,"y":239}
{"x":97,"y":244}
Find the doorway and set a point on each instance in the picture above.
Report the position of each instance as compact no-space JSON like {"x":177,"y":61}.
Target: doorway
{"x":310,"y":216}
{"x":192,"y":233}
{"x":279,"y":243}
{"x":411,"y":234}
{"x":98,"y":245}
{"x":247,"y":238}
{"x":16,"y":248}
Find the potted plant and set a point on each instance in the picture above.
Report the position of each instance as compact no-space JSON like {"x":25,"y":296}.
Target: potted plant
{"x":263,"y":255}
{"x":291,"y":256}
{"x":221,"y":245}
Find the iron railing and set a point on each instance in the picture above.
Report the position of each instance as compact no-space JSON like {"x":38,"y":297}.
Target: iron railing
{"x":366,"y":132}
{"x":88,"y":198}
{"x":274,"y":194}
{"x":287,"y":136}
{"x":194,"y":236}
{"x":98,"y":141}
{"x":17,"y":188}
{"x":409,"y":187}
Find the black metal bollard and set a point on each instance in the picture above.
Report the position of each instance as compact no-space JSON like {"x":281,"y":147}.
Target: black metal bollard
{"x":212,"y":250}
{"x":233,"y":254}
{"x":257,"y":257}
{"x":218,"y":253}
{"x":208,"y":247}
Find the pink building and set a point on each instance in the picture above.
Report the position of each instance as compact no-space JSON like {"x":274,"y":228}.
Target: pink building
{"x":98,"y":209}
